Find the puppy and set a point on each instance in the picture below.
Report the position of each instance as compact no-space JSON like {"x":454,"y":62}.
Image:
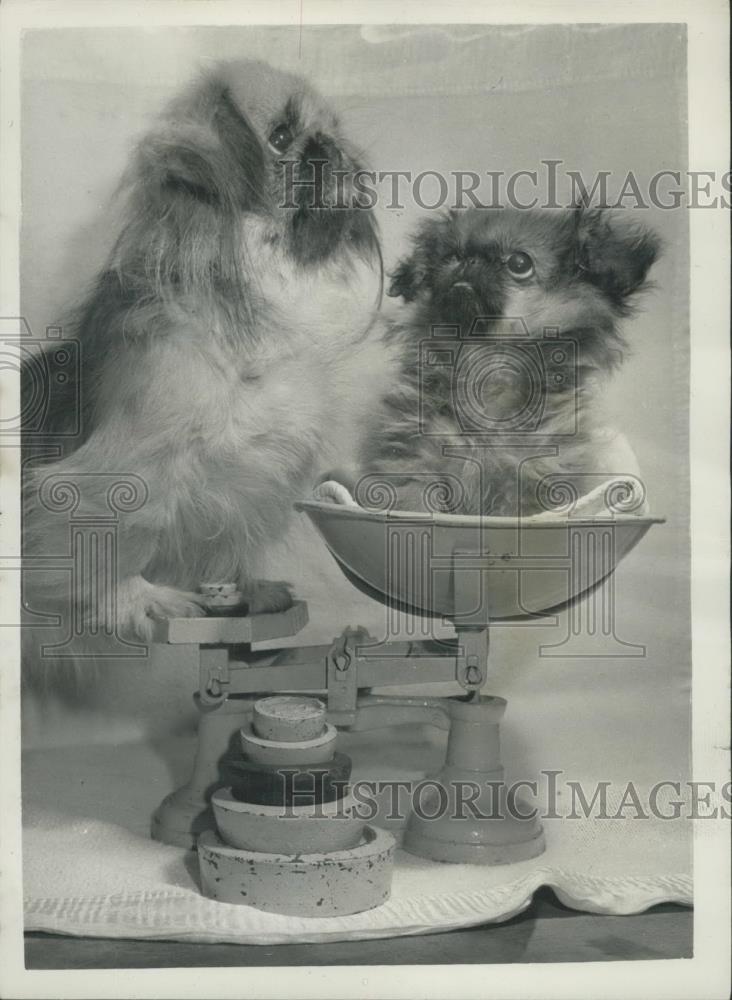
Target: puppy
{"x":219,"y":346}
{"x":512,"y":323}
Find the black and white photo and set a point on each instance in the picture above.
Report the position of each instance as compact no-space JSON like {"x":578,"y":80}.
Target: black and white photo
{"x":365,"y":400}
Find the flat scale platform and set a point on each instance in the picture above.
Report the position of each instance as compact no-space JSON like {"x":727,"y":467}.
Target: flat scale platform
{"x":215,"y":631}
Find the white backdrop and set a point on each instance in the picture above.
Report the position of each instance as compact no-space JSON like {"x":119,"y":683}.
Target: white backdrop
{"x":468,"y":98}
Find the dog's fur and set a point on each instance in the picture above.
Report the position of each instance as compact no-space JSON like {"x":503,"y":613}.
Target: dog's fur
{"x":588,"y":267}
{"x":222,"y":347}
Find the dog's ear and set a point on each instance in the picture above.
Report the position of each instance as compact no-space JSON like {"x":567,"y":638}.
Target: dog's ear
{"x":430,"y":243}
{"x":408,"y":277}
{"x":206,"y":150}
{"x":189,"y":183}
{"x":613,"y":253}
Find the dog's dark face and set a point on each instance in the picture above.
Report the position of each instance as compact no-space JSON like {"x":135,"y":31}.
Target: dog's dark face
{"x":301,"y":166}
{"x":244,"y":186}
{"x":574,"y":270}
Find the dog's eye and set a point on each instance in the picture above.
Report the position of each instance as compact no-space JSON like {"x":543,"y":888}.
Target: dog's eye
{"x":520,"y":264}
{"x":280,"y":138}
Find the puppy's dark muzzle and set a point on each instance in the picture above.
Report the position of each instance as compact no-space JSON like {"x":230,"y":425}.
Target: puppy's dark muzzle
{"x":464,"y":279}
{"x":466,"y":290}
{"x":475,"y":271}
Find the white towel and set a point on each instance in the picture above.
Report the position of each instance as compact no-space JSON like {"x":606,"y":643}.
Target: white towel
{"x":90,"y":868}
{"x":616,"y":495}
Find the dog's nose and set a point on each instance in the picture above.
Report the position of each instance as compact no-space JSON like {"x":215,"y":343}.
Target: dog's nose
{"x":322,"y":147}
{"x":467,"y":269}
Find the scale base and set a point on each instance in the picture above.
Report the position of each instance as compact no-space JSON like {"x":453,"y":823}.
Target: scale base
{"x":469,"y":815}
{"x":344,"y":672}
{"x":421,"y":840}
{"x":179,"y":820}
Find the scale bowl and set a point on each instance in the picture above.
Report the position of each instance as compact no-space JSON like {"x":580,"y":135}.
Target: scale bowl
{"x":455,"y":565}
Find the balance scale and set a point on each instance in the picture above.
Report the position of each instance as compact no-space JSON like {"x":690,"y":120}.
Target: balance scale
{"x":470,"y":571}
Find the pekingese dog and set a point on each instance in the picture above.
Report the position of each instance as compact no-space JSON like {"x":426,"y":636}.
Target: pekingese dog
{"x":223,"y":346}
{"x":512,"y":322}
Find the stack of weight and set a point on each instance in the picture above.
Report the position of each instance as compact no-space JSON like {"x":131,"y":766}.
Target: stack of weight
{"x":289,"y":837}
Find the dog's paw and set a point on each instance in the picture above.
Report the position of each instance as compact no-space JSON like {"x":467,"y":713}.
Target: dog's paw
{"x":268,"y":596}
{"x":141,"y":604}
{"x":167,"y":602}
